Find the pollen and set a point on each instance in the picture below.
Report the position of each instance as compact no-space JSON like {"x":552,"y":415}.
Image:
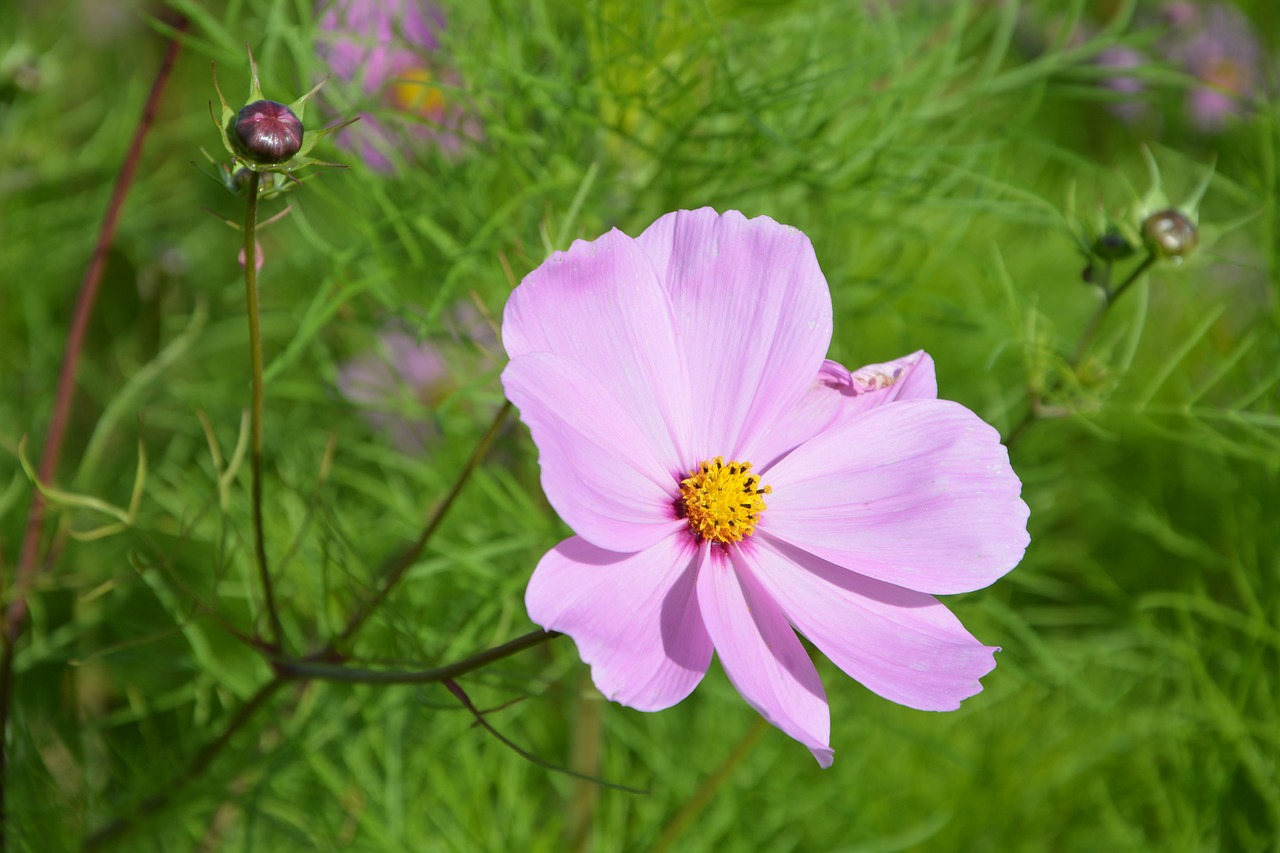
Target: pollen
{"x":722,"y":500}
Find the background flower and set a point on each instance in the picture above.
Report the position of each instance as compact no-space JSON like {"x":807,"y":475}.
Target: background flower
{"x":1133,"y":107}
{"x":649,"y":371}
{"x":386,"y":47}
{"x":1216,"y":44}
{"x":388,"y":383}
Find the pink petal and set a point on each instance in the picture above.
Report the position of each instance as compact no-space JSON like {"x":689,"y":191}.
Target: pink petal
{"x":918,"y":494}
{"x":600,"y":469}
{"x":761,"y":654}
{"x":837,"y":395}
{"x":753,"y":314}
{"x":904,"y":645}
{"x":601,"y":305}
{"x":634,"y":617}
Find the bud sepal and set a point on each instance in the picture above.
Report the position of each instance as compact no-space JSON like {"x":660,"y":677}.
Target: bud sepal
{"x":266,"y":135}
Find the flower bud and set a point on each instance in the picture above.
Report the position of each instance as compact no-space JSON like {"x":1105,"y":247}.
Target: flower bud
{"x":268,"y":132}
{"x":1112,"y":246}
{"x":1170,"y":234}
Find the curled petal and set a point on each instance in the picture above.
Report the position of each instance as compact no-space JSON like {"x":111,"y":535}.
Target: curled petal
{"x":599,"y":468}
{"x":904,"y":645}
{"x":761,"y":654}
{"x":634,"y":617}
{"x":837,"y":395}
{"x":753,"y":315}
{"x":918,"y":494}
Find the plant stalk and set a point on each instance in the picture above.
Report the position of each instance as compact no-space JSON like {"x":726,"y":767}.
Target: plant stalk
{"x":256,"y":409}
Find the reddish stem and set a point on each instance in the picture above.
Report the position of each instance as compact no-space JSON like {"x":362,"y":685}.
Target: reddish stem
{"x":28,"y":562}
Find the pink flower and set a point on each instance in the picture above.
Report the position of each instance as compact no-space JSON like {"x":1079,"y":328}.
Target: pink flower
{"x":728,"y":487}
{"x":385,"y":47}
{"x":388,"y":384}
{"x":1120,"y":58}
{"x":1216,"y":44}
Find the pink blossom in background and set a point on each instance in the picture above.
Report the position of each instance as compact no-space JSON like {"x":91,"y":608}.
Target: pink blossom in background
{"x":1216,"y":44}
{"x":728,"y":486}
{"x":402,"y":374}
{"x":259,"y":257}
{"x":386,"y":48}
{"x":1132,"y":108}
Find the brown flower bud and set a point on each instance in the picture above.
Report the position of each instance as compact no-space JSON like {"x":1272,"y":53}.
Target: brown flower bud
{"x":1170,"y":234}
{"x":268,"y":132}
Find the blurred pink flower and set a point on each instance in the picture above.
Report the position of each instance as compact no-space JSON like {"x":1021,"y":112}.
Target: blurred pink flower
{"x":1132,"y":108}
{"x":401,"y":375}
{"x":729,"y":487}
{"x":259,"y":257}
{"x":385,"y":47}
{"x":1216,"y":44}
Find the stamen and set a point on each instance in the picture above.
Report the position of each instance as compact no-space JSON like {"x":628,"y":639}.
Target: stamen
{"x":711,"y":498}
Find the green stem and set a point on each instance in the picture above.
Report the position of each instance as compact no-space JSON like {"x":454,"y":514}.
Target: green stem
{"x":408,"y":558}
{"x":121,"y":826}
{"x":695,"y":805}
{"x":316,"y":671}
{"x":1109,"y":297}
{"x":255,"y":416}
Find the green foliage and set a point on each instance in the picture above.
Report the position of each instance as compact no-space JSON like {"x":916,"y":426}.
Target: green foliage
{"x":929,"y":150}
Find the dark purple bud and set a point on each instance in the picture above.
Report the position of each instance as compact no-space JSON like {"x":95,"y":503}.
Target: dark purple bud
{"x":268,"y":132}
{"x":1112,"y":246}
{"x":1170,"y":234}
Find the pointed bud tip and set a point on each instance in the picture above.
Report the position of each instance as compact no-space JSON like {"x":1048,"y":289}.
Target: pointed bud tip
{"x":268,"y":132}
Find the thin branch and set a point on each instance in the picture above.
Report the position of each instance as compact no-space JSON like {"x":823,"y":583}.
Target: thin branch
{"x":408,"y":558}
{"x":1109,"y":297}
{"x":320,"y":671}
{"x":312,"y":669}
{"x":461,"y":695}
{"x":119,"y":827}
{"x":28,"y":562}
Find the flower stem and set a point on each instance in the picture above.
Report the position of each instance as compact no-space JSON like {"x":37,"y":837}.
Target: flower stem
{"x":408,"y":558}
{"x":287,"y":670}
{"x":695,"y":805}
{"x":113,"y":831}
{"x":121,"y":826}
{"x":29,"y":560}
{"x":318,"y":671}
{"x":1109,"y":297}
{"x":255,"y":415}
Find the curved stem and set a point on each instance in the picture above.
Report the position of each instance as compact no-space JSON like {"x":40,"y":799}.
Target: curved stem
{"x":118,"y":828}
{"x":695,"y":805}
{"x":316,"y":671}
{"x":255,"y":416}
{"x":408,"y":558}
{"x":299,"y":671}
{"x":293,"y":670}
{"x":1109,"y":297}
{"x":86,"y":299}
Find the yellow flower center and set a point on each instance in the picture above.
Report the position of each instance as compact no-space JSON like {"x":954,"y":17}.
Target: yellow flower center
{"x":415,"y":92}
{"x":722,"y":500}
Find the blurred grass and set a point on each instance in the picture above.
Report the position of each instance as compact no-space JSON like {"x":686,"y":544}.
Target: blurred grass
{"x":926,"y":153}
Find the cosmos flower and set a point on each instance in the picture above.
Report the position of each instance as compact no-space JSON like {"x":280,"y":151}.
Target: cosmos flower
{"x":402,"y":374}
{"x":728,"y":486}
{"x":1121,"y":59}
{"x":385,"y":48}
{"x":1215,"y":43}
